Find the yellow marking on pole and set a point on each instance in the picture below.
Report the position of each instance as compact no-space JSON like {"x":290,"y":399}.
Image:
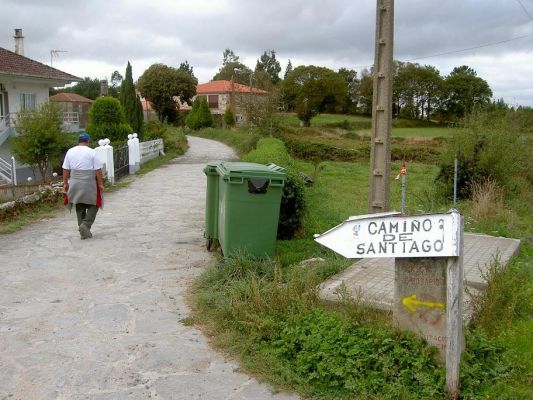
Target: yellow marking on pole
{"x":411,"y":303}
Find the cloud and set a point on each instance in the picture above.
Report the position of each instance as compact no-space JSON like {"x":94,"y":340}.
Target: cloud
{"x":101,"y":36}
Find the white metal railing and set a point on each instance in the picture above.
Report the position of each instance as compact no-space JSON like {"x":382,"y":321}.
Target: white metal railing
{"x":8,"y":171}
{"x":6,"y":121}
{"x":71,"y":118}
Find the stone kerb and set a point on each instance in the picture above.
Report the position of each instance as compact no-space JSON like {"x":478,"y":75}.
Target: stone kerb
{"x":151,"y":149}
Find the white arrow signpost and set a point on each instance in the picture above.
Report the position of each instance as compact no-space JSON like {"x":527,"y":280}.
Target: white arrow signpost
{"x":428,"y":285}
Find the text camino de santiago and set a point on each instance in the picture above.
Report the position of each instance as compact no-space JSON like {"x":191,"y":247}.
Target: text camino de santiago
{"x":398,"y":237}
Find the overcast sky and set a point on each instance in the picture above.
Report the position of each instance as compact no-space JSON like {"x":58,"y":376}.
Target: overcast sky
{"x":100,"y":36}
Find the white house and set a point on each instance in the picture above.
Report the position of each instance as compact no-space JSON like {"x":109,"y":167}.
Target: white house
{"x":24,"y":83}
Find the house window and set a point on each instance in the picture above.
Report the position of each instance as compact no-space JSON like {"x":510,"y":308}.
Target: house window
{"x":213,"y":101}
{"x":27,"y":101}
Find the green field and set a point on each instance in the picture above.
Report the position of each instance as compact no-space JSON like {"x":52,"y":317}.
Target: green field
{"x":423,"y":132}
{"x":361,"y":125}
{"x":321,"y":119}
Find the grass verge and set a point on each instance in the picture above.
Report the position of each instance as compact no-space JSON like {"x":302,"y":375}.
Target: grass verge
{"x":267,"y":314}
{"x":30,"y":215}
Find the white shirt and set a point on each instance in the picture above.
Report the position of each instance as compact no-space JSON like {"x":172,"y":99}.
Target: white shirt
{"x":82,"y":158}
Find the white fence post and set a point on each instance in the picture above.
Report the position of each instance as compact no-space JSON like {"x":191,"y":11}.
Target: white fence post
{"x":104,"y":153}
{"x":131,"y":154}
{"x":137,"y":151}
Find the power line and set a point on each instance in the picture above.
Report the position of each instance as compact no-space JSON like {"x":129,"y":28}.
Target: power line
{"x":525,"y":10}
{"x":458,"y":50}
{"x":472,"y":48}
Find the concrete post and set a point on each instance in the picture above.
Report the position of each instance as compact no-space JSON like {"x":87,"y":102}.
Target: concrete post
{"x":378,"y":199}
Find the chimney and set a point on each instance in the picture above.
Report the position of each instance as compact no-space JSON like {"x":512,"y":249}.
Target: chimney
{"x":19,"y":42}
{"x":103,"y":87}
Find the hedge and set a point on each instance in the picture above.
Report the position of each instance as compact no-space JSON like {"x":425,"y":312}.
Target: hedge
{"x":292,"y":208}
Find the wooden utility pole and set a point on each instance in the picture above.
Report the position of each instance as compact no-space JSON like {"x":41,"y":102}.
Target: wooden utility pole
{"x":378,"y":199}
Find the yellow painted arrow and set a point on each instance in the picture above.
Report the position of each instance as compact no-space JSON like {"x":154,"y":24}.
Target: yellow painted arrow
{"x":411,"y":303}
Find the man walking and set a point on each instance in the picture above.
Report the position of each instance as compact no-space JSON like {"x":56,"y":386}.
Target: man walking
{"x":83,"y":183}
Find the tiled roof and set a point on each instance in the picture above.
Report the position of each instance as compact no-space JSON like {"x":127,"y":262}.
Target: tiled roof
{"x":70,"y":97}
{"x":15,"y":64}
{"x":225,"y":87}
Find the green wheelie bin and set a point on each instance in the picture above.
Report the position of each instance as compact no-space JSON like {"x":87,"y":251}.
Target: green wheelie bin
{"x":211,"y":204}
{"x":249,"y":197}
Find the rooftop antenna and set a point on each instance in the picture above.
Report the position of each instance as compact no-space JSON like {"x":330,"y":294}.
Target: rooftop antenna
{"x":55,"y":53}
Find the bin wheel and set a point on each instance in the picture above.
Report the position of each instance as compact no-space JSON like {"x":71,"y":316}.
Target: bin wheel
{"x":209,"y":244}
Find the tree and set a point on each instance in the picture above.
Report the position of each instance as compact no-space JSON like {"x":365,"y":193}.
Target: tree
{"x":229,"y":118}
{"x":350,"y":77}
{"x":186,"y":67}
{"x":232,"y":69}
{"x":130,"y":102}
{"x":228,"y":56}
{"x":88,"y":87}
{"x":416,"y":90}
{"x":107,"y":120}
{"x":269,"y":65}
{"x":364,"y":92}
{"x":41,"y":140}
{"x":288,"y":69}
{"x":116,"y":80}
{"x":464,"y":90}
{"x":311,"y":90}
{"x":235,"y":71}
{"x":161,"y":84}
{"x":260,"y":110}
{"x":200,"y":116}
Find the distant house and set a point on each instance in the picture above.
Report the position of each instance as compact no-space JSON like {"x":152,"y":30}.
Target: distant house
{"x":75,"y":109}
{"x":222,"y":94}
{"x":24,"y":84}
{"x":149,"y":113}
{"x":219,"y":95}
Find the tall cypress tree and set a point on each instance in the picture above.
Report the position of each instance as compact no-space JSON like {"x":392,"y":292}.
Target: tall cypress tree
{"x":130,"y":102}
{"x":288,"y":69}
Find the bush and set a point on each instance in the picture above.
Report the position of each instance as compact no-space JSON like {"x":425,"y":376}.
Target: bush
{"x":173,"y":138}
{"x":229,"y":118}
{"x":346,"y":358}
{"x":493,"y":145}
{"x":487,"y":200}
{"x":200,"y":116}
{"x":41,"y":140}
{"x":318,"y":152}
{"x":292,"y":208}
{"x":347,"y":125}
{"x":107,"y":120}
{"x":423,"y":154}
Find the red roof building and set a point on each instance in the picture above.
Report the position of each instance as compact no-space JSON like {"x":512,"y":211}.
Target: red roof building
{"x":226,"y":87}
{"x":222,"y":94}
{"x":219,"y":95}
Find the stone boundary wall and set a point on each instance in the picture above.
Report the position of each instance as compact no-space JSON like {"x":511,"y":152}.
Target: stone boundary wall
{"x":10,"y":192}
{"x":151,"y":149}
